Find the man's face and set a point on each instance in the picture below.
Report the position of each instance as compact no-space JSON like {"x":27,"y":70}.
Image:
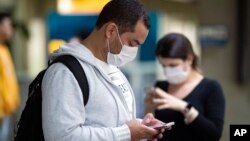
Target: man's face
{"x":6,"y":29}
{"x":132,"y":39}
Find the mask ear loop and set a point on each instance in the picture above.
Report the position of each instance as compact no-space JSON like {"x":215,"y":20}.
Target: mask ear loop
{"x":119,"y":35}
{"x":108,"y":45}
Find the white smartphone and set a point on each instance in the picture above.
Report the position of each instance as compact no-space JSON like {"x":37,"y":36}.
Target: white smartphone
{"x":164,"y":125}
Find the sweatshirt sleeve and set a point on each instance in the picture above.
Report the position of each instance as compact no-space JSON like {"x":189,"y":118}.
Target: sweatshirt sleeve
{"x":210,"y":126}
{"x":63,"y":111}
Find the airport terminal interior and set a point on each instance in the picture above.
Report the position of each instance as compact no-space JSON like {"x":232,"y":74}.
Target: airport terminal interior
{"x":219,"y":31}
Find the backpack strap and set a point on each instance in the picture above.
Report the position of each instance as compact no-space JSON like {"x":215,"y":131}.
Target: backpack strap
{"x":75,"y":67}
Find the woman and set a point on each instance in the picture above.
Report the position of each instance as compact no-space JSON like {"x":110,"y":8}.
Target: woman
{"x":196,"y":104}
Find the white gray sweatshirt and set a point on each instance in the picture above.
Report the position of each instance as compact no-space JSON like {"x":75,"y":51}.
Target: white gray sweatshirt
{"x":64,"y":117}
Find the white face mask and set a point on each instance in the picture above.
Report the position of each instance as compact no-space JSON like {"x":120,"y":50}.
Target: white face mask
{"x":176,"y":75}
{"x":126,"y":55}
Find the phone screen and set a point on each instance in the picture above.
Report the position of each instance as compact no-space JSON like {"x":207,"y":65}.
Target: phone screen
{"x":164,"y":125}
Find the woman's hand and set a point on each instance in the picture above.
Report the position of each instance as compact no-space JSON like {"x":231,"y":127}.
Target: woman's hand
{"x":163,"y":100}
{"x":149,"y":105}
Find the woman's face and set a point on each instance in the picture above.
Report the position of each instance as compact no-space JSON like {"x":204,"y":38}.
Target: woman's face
{"x":6,"y":29}
{"x":176,"y":70}
{"x":175,"y":62}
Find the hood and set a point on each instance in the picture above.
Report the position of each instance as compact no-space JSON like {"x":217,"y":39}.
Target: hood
{"x":77,"y":50}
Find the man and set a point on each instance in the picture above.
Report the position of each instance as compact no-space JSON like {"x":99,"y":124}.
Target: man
{"x":9,"y":91}
{"x":109,"y":115}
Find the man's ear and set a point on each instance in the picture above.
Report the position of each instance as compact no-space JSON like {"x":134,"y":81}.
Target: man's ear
{"x":110,"y":30}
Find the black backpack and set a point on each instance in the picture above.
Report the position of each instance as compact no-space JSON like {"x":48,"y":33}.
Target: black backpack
{"x":29,"y":127}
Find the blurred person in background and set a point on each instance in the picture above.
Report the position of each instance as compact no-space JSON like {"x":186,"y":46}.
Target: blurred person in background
{"x":195,"y":103}
{"x":121,"y":28}
{"x":55,"y":44}
{"x":9,"y":90}
{"x":79,"y":37}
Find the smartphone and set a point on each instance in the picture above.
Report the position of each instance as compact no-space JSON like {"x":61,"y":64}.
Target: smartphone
{"x":163,"y":125}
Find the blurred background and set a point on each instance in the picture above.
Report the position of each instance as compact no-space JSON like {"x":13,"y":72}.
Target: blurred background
{"x":218,"y":29}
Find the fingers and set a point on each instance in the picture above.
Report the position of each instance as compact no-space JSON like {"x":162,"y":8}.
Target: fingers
{"x":164,"y":99}
{"x":149,"y":99}
{"x":149,"y":115}
{"x":162,"y":130}
{"x":169,"y":128}
{"x":160,"y":93}
{"x":152,"y":133}
{"x":160,"y":107}
{"x":149,"y":132}
{"x":158,"y":98}
{"x":141,"y":131}
{"x":159,"y":136}
{"x":159,"y":101}
{"x":148,"y":118}
{"x":149,"y":90}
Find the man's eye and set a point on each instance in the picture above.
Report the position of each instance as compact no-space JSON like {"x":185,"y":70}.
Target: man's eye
{"x":133,"y":44}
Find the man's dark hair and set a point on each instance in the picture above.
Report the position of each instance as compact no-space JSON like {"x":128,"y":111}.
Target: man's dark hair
{"x":124,"y":13}
{"x":4,"y":15}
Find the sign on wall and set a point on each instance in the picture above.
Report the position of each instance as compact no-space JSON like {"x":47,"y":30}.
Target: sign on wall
{"x":213,"y":35}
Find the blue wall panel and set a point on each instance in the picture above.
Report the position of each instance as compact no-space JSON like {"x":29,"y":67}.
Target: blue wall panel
{"x":147,"y":50}
{"x":65,"y":27}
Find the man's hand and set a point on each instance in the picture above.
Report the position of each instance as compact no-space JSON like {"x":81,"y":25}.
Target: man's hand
{"x":150,"y":120}
{"x":140,"y":131}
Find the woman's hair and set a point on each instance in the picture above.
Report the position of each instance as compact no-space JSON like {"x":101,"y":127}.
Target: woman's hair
{"x":175,"y":45}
